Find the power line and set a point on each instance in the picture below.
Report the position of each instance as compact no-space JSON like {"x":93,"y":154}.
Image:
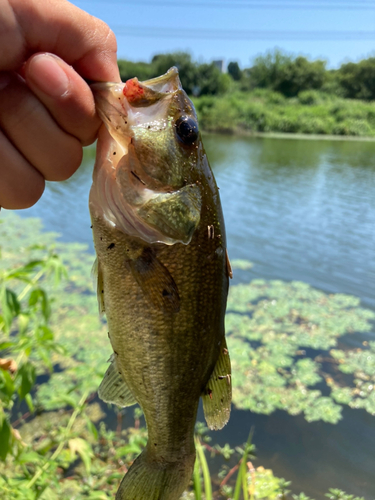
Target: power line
{"x":330,"y":5}
{"x":218,"y":34}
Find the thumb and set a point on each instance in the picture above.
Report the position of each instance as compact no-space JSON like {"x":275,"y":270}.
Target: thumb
{"x":65,"y":94}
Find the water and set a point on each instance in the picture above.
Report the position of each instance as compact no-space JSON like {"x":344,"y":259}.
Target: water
{"x":299,"y":210}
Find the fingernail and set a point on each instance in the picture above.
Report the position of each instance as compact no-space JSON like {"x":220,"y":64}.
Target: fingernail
{"x":45,"y":70}
{"x":4,"y":79}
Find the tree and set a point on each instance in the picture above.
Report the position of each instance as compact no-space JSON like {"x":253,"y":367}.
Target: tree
{"x":129,"y":69}
{"x":358,"y":79}
{"x":208,"y":80}
{"x":234,"y":71}
{"x":186,"y":68}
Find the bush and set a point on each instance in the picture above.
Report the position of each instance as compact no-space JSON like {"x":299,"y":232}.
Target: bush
{"x":264,"y":110}
{"x":310,"y":97}
{"x":353,"y":127}
{"x":221,"y":116}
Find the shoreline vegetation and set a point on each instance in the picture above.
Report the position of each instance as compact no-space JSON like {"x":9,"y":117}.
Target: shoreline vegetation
{"x":278,"y":94}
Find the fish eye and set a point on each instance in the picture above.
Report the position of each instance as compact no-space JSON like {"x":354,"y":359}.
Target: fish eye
{"x":187,"y":129}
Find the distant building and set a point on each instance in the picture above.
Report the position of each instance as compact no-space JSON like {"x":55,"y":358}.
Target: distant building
{"x":219,"y":64}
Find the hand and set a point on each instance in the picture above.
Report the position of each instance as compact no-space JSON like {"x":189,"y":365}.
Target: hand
{"x":47,"y":111}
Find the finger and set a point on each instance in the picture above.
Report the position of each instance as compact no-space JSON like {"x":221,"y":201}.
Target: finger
{"x":33,"y":131}
{"x":65,"y":94}
{"x":21,"y":185}
{"x":58,"y":27}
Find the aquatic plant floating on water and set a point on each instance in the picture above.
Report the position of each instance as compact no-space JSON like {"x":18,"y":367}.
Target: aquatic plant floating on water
{"x":270,"y":327}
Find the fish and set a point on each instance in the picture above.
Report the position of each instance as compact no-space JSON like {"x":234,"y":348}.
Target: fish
{"x":162,"y":272}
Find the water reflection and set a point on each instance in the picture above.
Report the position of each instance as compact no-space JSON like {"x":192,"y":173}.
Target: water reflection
{"x":296,"y":214}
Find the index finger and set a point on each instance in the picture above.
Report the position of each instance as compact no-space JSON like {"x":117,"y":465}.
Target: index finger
{"x":59,"y":27}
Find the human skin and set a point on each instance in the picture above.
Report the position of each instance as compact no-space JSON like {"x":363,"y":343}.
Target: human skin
{"x":49,"y":49}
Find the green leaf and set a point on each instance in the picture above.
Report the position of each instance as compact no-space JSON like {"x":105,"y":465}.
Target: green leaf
{"x":91,"y":428}
{"x":5,"y":345}
{"x":27,"y":373}
{"x":205,"y":469}
{"x":5,"y":439}
{"x":29,"y":457}
{"x":30,"y":266}
{"x":7,"y":387}
{"x":12,"y":302}
{"x":30,"y":403}
{"x":97,"y":495}
{"x":38,"y":295}
{"x":10,"y":306}
{"x":23,"y":322}
{"x":44,"y":334}
{"x":55,"y":266}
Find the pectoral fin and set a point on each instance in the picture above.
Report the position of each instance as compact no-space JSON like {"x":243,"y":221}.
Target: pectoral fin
{"x":217,"y":395}
{"x":113,"y":388}
{"x":96,"y":273}
{"x":175,"y":215}
{"x":156,"y":281}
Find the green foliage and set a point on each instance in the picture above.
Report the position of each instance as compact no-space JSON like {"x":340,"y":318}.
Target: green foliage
{"x":358,"y":79}
{"x":335,"y":494}
{"x":130,"y":69}
{"x":360,"y":364}
{"x":234,"y":71}
{"x":283,"y":73}
{"x":186,"y":68}
{"x":263,"y":110}
{"x":25,"y":338}
{"x":279,"y":93}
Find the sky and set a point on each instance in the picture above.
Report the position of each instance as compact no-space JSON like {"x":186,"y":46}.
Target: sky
{"x":239,"y":30}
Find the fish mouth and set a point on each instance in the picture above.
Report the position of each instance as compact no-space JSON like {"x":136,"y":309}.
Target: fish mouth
{"x":136,"y":93}
{"x":164,"y":84}
{"x":117,"y":104}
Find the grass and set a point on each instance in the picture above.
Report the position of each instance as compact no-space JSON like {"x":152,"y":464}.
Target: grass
{"x":262,"y":110}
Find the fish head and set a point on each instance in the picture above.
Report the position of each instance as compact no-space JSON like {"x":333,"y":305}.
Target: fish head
{"x":147,"y":171}
{"x":155,"y":124}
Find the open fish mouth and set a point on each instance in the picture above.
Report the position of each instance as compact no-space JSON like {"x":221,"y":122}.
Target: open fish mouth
{"x":136,"y":93}
{"x":135,"y":103}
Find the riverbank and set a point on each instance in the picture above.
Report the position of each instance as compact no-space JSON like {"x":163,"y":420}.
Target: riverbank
{"x":309,"y":115}
{"x":296,"y":136}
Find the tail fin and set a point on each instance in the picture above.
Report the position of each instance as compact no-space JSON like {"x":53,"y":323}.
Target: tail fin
{"x":151,"y":480}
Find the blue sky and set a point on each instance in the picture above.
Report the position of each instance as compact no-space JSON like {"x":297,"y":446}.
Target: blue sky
{"x":145,"y":28}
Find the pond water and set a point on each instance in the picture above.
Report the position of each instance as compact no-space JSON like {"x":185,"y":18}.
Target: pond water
{"x":299,"y":210}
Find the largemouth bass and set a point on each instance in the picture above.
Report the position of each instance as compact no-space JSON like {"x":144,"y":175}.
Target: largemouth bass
{"x":162,"y":274}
